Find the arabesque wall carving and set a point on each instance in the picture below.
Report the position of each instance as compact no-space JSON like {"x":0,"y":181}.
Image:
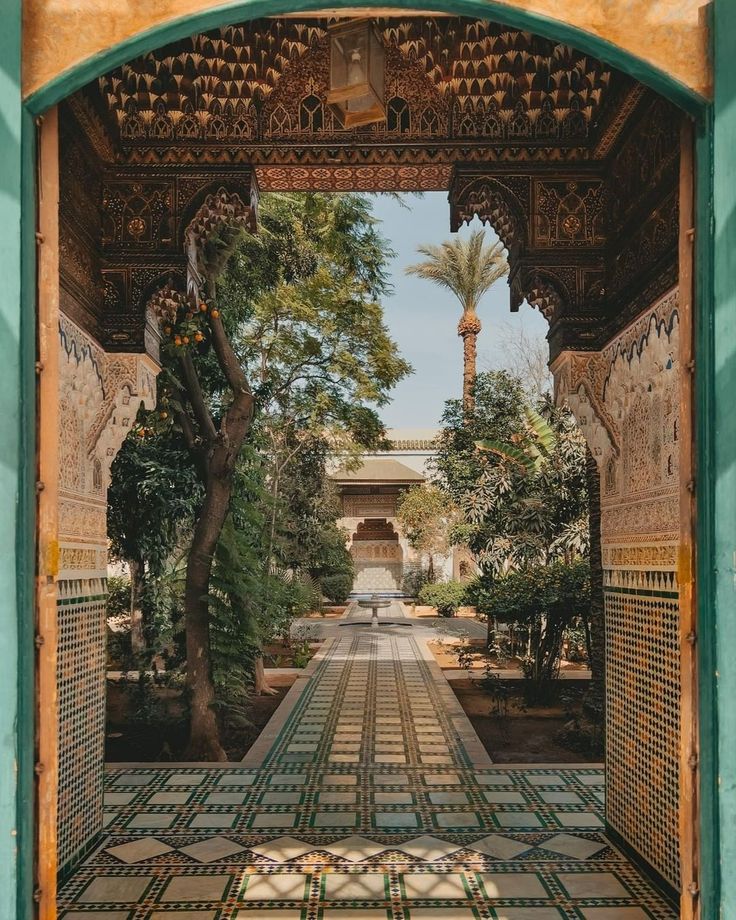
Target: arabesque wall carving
{"x":99,"y":397}
{"x":626,"y":399}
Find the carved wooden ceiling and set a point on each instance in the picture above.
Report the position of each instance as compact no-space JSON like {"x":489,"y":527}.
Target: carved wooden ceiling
{"x":457,"y":90}
{"x":574,"y":165}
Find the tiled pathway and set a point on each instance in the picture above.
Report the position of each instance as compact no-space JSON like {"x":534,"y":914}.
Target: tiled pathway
{"x":374,"y":799}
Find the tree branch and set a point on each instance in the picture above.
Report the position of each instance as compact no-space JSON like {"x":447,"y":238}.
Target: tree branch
{"x":196,"y":398}
{"x":228,"y":360}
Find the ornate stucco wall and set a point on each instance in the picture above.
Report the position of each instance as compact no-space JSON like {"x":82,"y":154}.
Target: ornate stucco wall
{"x":99,"y":397}
{"x":669,"y":34}
{"x":626,"y":401}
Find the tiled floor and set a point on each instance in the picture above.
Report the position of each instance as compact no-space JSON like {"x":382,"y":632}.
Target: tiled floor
{"x":374,"y":799}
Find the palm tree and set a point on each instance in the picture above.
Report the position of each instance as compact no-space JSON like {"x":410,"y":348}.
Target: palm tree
{"x":468,"y":268}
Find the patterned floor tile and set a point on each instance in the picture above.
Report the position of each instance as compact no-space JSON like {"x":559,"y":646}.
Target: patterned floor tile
{"x":366,"y":805}
{"x":196,"y":888}
{"x":139,"y":850}
{"x":211,"y":849}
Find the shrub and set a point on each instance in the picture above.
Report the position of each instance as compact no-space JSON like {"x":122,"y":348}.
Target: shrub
{"x":447,"y":597}
{"x":414,"y":580}
{"x":336,"y":588}
{"x":118,"y":596}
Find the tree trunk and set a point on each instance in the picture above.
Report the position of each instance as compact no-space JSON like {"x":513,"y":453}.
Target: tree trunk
{"x":468,"y":329}
{"x":595,"y":702}
{"x":262,"y":686}
{"x":204,"y":737}
{"x":137,"y":635}
{"x":470,"y":351}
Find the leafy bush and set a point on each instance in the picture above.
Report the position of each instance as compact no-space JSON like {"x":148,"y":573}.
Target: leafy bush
{"x":446,"y":596}
{"x":548,"y":600}
{"x":118,"y":596}
{"x":414,"y":580}
{"x":336,"y":588}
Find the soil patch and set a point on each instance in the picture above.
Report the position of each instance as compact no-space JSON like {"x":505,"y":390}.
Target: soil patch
{"x":293,"y":655}
{"x":326,"y":613}
{"x":154,"y":728}
{"x":524,"y":734}
{"x":445,"y":654}
{"x":418,"y":610}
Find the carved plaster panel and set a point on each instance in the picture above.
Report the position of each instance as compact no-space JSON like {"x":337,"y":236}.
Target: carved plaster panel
{"x":99,"y":397}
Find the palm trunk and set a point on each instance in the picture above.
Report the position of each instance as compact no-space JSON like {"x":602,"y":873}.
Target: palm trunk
{"x":595,"y":702}
{"x":468,"y":329}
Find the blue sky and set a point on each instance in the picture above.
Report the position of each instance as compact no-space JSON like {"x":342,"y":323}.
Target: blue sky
{"x":423,"y":318}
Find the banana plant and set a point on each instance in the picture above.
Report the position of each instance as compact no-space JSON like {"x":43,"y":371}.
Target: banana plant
{"x":531,"y":452}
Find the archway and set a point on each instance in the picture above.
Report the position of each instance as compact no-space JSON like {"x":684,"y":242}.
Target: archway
{"x":378,"y":557}
{"x":39,"y":97}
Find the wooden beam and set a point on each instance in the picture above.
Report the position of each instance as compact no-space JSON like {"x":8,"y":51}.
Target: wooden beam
{"x":48,"y":508}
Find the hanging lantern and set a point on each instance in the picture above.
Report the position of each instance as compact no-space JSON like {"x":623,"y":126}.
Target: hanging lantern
{"x":356,"y":73}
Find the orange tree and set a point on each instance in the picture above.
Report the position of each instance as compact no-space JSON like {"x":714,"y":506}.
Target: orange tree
{"x":294,"y":320}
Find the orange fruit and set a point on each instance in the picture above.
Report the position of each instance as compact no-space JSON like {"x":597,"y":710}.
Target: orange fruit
{"x":203,"y":307}
{"x":215,"y":314}
{"x":198,"y":337}
{"x":185,"y":340}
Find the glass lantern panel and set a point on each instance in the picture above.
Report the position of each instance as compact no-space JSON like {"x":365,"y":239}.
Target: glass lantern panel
{"x":349,"y":59}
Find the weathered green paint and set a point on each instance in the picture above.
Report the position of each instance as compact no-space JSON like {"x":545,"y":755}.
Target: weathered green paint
{"x":708,"y":713}
{"x":16,"y":468}
{"x":717,"y":474}
{"x":241,"y":10}
{"x":716,"y":360}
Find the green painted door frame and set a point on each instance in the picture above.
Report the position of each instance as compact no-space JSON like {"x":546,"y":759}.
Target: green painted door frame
{"x":17,"y":260}
{"x":716,"y":422}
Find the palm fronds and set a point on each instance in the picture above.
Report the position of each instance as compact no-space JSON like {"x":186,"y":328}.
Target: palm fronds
{"x":467,"y":267}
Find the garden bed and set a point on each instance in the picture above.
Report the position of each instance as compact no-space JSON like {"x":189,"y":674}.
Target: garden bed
{"x":423,"y":611}
{"x":526,"y":734}
{"x":445,"y":655}
{"x":155,"y":729}
{"x":327,"y":613}
{"x":294,"y":655}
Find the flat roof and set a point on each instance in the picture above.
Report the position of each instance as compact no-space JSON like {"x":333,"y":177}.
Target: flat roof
{"x":378,"y":470}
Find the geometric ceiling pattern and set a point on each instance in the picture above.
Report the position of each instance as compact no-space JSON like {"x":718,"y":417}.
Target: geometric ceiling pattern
{"x":461,"y":83}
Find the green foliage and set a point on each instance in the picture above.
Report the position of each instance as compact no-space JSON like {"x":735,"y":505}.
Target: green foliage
{"x":465,"y":266}
{"x":517,"y":473}
{"x":118,"y":596}
{"x":336,"y":588}
{"x":426,"y":517}
{"x":548,"y":599}
{"x":446,"y":596}
{"x":153,"y":497}
{"x":415,"y":579}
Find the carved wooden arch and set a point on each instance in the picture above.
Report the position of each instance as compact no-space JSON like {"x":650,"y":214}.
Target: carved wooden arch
{"x":150,"y":303}
{"x":230,"y":203}
{"x":165,"y":302}
{"x":488,"y":199}
{"x":540,"y":289}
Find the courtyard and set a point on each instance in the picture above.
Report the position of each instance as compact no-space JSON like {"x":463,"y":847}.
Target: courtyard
{"x":368,"y":796}
{"x":316,"y":309}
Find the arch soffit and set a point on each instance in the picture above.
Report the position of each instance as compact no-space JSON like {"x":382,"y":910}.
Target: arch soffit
{"x":670,"y":54}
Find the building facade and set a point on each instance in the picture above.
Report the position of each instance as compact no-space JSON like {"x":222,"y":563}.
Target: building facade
{"x":370,"y":496}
